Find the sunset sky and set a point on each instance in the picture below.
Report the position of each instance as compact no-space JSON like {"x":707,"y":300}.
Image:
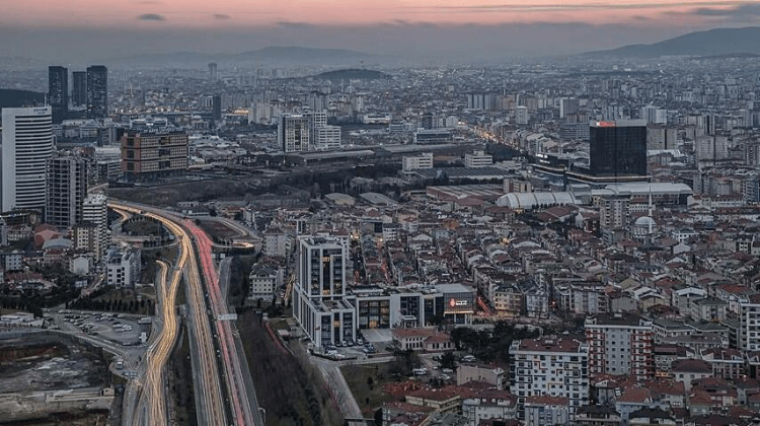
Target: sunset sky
{"x":40,"y":27}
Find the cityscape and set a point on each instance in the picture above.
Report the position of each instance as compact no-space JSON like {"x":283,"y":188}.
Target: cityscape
{"x":309,"y":236}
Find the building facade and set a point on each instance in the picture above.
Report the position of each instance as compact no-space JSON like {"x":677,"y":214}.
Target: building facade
{"x":66,"y":190}
{"x":97,"y":92}
{"x":554,"y":367}
{"x":27,"y":145}
{"x":618,"y":148}
{"x":95,"y":212}
{"x":478,"y":159}
{"x":58,"y":92}
{"x":620,"y":344}
{"x":150,"y":156}
{"x":79,"y":89}
{"x":293,"y":133}
{"x":320,"y":303}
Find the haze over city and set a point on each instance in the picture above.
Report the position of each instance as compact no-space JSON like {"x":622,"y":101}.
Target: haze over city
{"x":435,"y":29}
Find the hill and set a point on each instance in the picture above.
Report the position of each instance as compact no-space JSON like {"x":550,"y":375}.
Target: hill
{"x":353,"y":74}
{"x":274,"y":54}
{"x":12,"y":98}
{"x":716,"y":42}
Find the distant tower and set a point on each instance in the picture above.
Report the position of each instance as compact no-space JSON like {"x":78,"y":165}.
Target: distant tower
{"x":216,"y":105}
{"x":58,"y":92}
{"x":97,"y":91}
{"x":213,"y":71}
{"x":79,"y":92}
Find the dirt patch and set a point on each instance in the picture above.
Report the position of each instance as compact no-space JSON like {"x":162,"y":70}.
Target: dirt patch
{"x":92,"y":418}
{"x":218,"y":230}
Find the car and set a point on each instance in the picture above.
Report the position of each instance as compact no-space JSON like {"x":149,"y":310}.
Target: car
{"x":447,"y":371}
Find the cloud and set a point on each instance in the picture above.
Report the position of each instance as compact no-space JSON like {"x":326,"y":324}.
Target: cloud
{"x":740,"y":11}
{"x":221,"y":16}
{"x":151,"y":17}
{"x":559,"y":7}
{"x":294,"y":25}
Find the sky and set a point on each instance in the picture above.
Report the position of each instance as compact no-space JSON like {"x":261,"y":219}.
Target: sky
{"x":89,"y":29}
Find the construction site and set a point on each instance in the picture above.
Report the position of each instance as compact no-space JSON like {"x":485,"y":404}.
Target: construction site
{"x":62,"y":381}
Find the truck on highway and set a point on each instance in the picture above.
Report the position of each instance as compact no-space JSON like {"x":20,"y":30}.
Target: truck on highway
{"x":145,"y":320}
{"x":119,"y":364}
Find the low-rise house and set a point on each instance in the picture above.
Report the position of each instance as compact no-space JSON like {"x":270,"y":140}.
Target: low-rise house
{"x":546,"y":411}
{"x":422,"y":339}
{"x":687,"y":371}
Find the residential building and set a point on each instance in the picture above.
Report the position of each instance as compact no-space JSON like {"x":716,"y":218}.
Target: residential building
{"x":613,"y":212}
{"x":618,"y":148}
{"x":66,"y":190}
{"x":95,"y":212}
{"x":422,"y":339}
{"x":275,"y":243}
{"x":547,"y":411}
{"x":481,"y":373}
{"x":554,"y":367}
{"x":749,"y":324}
{"x":686,"y":371}
{"x":478,"y":406}
{"x":327,"y":137}
{"x":26,"y":146}
{"x":321,"y":305}
{"x":620,"y":344}
{"x":263,"y":281}
{"x":58,"y":92}
{"x":123,"y":267}
{"x":97,"y":92}
{"x":151,"y":156}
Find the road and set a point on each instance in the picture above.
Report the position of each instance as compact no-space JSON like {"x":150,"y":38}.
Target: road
{"x":210,"y":404}
{"x":240,"y":403}
{"x":224,"y":278}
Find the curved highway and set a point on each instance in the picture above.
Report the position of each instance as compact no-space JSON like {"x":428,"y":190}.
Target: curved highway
{"x":211,"y":406}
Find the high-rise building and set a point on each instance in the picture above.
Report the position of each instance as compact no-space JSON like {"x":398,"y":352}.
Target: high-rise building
{"x":614,"y":212}
{"x":652,"y":114}
{"x":521,"y":115}
{"x":293,"y":133}
{"x":618,"y":148}
{"x":27,"y":145}
{"x":427,"y":121}
{"x":551,"y":366}
{"x":95,"y":213}
{"x":327,"y":137}
{"x":97,"y":91}
{"x":320,"y":304}
{"x":661,"y":137}
{"x":213,"y":71}
{"x":79,"y":89}
{"x":568,"y":106}
{"x":422,"y":161}
{"x":66,"y":190}
{"x":216,"y":107}
{"x":620,"y":344}
{"x":150,"y":156}
{"x":58,"y":92}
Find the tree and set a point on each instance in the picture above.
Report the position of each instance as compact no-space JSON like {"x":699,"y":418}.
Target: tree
{"x":448,"y":360}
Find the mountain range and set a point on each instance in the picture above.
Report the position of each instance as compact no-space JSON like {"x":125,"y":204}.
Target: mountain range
{"x":716,"y":42}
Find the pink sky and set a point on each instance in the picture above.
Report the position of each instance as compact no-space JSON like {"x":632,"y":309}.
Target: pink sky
{"x":214,"y":13}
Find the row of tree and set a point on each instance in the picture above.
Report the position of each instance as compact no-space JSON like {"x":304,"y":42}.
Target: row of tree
{"x":133,"y":306}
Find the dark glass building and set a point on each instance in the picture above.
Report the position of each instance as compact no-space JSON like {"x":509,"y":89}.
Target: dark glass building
{"x":97,"y":91}
{"x":79,"y":92}
{"x":216,"y":105}
{"x":618,"y":148}
{"x":58,"y":92}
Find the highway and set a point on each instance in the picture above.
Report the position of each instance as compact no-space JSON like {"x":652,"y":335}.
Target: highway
{"x":237,"y":391}
{"x":210,"y":404}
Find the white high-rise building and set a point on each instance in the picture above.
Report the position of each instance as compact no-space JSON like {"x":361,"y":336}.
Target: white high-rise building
{"x":320,"y":304}
{"x":27,"y":144}
{"x":655,"y":115}
{"x":95,"y":211}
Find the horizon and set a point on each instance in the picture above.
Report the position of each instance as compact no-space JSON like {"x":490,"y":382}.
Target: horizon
{"x":423,"y":29}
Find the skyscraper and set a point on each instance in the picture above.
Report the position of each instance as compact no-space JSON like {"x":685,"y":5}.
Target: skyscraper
{"x":293,"y":133}
{"x":618,"y":148}
{"x":216,"y":107}
{"x":27,"y":144}
{"x":213,"y":71}
{"x":79,"y":91}
{"x":97,"y":91}
{"x":58,"y":92}
{"x":66,"y":190}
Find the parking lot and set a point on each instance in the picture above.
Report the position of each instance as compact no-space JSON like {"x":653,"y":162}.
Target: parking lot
{"x":122,"y":329}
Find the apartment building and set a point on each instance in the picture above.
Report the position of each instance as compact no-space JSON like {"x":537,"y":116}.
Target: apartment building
{"x":552,"y":366}
{"x":150,"y":156}
{"x":620,"y":344}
